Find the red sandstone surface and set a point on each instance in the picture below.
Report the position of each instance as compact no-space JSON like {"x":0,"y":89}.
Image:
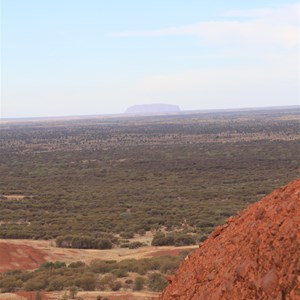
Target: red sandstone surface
{"x":24,"y":257}
{"x":255,"y":255}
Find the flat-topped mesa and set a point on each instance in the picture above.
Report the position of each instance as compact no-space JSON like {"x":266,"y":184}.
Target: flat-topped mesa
{"x":255,"y":255}
{"x":155,"y":108}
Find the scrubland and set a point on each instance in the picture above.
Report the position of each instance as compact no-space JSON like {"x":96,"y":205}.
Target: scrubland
{"x":111,"y":183}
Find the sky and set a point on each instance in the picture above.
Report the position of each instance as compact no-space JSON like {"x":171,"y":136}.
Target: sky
{"x":88,"y":57}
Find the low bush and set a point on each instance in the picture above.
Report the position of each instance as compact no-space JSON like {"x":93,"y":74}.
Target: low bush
{"x":135,"y":245}
{"x":156,"y":282}
{"x":139,"y":283}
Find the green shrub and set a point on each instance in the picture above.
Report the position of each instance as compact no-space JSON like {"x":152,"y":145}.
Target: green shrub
{"x":139,"y":283}
{"x":119,"y":273}
{"x":10,"y":284}
{"x":184,"y":240}
{"x":88,"y":282}
{"x":162,"y":240}
{"x":175,"y":239}
{"x":56,"y":284}
{"x":127,"y":234}
{"x":115,"y":285}
{"x":36,"y":283}
{"x":53,"y":265}
{"x":101,"y":266}
{"x":106,"y":280}
{"x":104,"y":244}
{"x":76,"y":264}
{"x":169,"y":267}
{"x":156,"y":282}
{"x":83,"y":242}
{"x":129,"y":281}
{"x":135,"y":245}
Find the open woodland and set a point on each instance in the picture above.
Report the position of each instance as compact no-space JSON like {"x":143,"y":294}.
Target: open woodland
{"x":128,"y":182}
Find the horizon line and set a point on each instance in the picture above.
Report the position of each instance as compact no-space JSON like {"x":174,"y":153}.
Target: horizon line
{"x":130,"y":115}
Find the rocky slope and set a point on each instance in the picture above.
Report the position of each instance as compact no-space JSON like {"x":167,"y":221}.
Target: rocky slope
{"x":255,"y":255}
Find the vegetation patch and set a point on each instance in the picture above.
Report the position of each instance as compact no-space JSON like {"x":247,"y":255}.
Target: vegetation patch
{"x":131,"y":274}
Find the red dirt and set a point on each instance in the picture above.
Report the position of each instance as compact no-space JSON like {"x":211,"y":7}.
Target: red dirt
{"x":27,"y":295}
{"x":32,"y":295}
{"x":255,"y":255}
{"x":22,"y":257}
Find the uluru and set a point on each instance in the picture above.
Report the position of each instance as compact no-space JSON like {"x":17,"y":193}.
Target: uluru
{"x":254,"y":255}
{"x":152,"y":109}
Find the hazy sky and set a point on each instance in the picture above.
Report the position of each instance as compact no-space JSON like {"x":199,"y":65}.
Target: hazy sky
{"x":76,"y":57}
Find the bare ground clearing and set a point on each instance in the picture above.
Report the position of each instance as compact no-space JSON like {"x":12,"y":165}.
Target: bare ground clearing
{"x":29,"y":254}
{"x":14,"y":197}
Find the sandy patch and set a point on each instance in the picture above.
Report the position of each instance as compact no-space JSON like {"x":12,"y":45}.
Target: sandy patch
{"x":14,"y":197}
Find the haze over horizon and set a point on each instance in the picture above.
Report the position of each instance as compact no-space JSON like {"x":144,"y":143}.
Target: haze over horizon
{"x":62,"y":58}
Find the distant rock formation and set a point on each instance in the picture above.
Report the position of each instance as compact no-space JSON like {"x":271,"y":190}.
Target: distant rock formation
{"x":255,"y":255}
{"x":152,"y":109}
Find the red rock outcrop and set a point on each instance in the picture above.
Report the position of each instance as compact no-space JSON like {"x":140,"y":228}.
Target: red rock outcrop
{"x":255,"y":255}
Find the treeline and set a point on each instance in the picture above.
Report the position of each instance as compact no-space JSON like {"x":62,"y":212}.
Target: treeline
{"x":83,"y":242}
{"x":160,"y":239}
{"x":173,"y":239}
